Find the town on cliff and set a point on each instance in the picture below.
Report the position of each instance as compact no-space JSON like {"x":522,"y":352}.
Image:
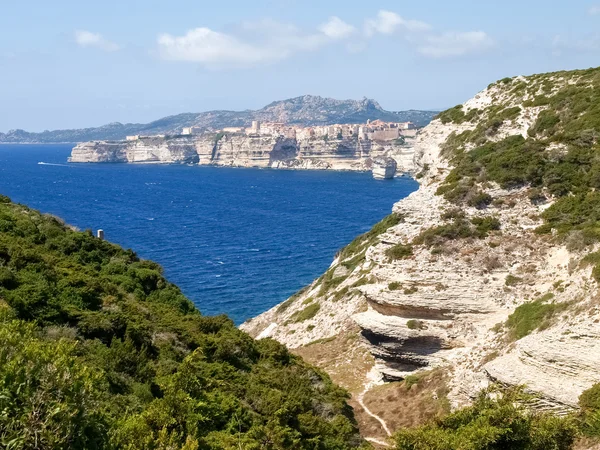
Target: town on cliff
{"x":385,"y":148}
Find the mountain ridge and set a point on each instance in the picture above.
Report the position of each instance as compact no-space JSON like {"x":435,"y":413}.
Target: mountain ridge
{"x":308,"y":110}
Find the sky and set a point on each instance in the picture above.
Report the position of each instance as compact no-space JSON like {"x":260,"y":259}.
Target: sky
{"x":74,"y":63}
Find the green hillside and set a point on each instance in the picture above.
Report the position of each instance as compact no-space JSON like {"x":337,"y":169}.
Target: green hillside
{"x":98,"y":350}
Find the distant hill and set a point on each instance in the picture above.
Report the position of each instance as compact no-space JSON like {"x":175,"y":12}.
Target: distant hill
{"x":306,"y":110}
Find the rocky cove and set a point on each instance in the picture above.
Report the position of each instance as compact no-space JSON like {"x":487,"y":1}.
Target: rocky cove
{"x":239,"y":150}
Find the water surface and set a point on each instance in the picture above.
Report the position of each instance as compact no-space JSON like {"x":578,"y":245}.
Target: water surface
{"x":237,"y":241}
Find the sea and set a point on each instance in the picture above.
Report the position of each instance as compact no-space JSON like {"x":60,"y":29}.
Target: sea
{"x":236,"y":241}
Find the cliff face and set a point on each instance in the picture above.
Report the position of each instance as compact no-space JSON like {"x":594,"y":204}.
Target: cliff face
{"x":147,"y":150}
{"x":489,"y":270}
{"x":236,"y":150}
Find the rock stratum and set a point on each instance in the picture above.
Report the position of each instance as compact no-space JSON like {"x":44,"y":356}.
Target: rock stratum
{"x":307,"y":110}
{"x":239,"y":150}
{"x":489,"y":272}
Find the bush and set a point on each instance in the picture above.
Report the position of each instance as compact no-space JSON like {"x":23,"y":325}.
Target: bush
{"x":394,"y":286}
{"x":357,"y":248}
{"x":410,"y":381}
{"x":452,"y":115}
{"x":533,"y":316}
{"x":399,"y":251}
{"x":305,"y":314}
{"x":48,"y":398}
{"x":480,"y":200}
{"x":413,"y":324}
{"x":589,"y":416}
{"x":491,"y":424}
{"x":512,"y":280}
{"x":459,"y":228}
{"x":98,"y":350}
{"x":484,"y":225}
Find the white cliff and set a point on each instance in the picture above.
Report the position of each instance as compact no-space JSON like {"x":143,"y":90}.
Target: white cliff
{"x":146,"y":150}
{"x":240,"y":150}
{"x":446,"y":305}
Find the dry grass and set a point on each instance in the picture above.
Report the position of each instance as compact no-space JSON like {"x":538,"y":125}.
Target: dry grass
{"x":401,"y":407}
{"x":585,"y":443}
{"x":345,"y":358}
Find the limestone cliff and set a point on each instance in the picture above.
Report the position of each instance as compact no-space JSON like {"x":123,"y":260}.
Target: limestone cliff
{"x":239,"y":150}
{"x":489,"y":271}
{"x":146,"y":150}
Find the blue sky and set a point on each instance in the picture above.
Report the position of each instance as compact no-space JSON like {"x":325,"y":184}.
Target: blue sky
{"x":74,"y":63}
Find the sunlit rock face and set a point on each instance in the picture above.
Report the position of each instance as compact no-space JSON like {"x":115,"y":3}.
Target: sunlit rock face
{"x":446,"y":303}
{"x":239,"y":150}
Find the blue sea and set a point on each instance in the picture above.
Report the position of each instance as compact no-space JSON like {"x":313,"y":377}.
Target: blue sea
{"x":236,"y":241}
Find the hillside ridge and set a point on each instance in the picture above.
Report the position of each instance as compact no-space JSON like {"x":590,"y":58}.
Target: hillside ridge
{"x":306,"y":110}
{"x":490,"y":271}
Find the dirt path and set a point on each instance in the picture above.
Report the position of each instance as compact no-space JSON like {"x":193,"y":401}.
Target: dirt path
{"x":360,"y":400}
{"x":370,"y":413}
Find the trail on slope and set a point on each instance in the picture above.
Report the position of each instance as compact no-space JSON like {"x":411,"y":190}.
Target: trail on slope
{"x":360,"y":400}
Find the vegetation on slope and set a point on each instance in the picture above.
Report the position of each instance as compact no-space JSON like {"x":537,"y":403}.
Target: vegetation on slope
{"x":501,"y":420}
{"x":98,"y":350}
{"x":589,"y":417}
{"x":491,"y":423}
{"x":558,"y":155}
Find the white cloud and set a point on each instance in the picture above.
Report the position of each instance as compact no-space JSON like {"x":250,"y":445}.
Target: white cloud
{"x":266,"y":41}
{"x":214,"y":49}
{"x":594,"y":10}
{"x":454,"y":44}
{"x":253,"y":43}
{"x":88,"y":39}
{"x":336,"y":28}
{"x":388,"y":22}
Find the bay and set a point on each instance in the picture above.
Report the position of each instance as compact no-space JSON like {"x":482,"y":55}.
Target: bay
{"x":236,"y":241}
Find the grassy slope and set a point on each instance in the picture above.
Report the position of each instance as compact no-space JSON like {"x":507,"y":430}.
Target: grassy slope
{"x":99,"y":350}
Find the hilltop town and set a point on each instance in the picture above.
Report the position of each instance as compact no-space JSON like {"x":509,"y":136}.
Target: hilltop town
{"x":371,"y":131}
{"x":384,"y":147}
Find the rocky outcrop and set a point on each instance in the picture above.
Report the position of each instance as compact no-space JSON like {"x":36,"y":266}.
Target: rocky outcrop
{"x":428,"y":289}
{"x":384,"y":167}
{"x":240,"y":150}
{"x":146,"y":150}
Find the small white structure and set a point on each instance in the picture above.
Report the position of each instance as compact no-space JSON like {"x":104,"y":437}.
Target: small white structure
{"x":100,"y":235}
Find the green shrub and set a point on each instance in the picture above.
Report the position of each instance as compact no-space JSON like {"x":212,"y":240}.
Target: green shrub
{"x":484,"y":225}
{"x":413,"y":324}
{"x":305,"y":314}
{"x":512,"y":280}
{"x":452,"y":115}
{"x":533,"y":316}
{"x":98,"y":350}
{"x":399,"y":251}
{"x":589,"y":416}
{"x":459,"y":228}
{"x":48,"y":398}
{"x":480,"y":200}
{"x":590,"y":400}
{"x":354,"y":253}
{"x":499,"y":423}
{"x":394,"y":286}
{"x":410,"y":381}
